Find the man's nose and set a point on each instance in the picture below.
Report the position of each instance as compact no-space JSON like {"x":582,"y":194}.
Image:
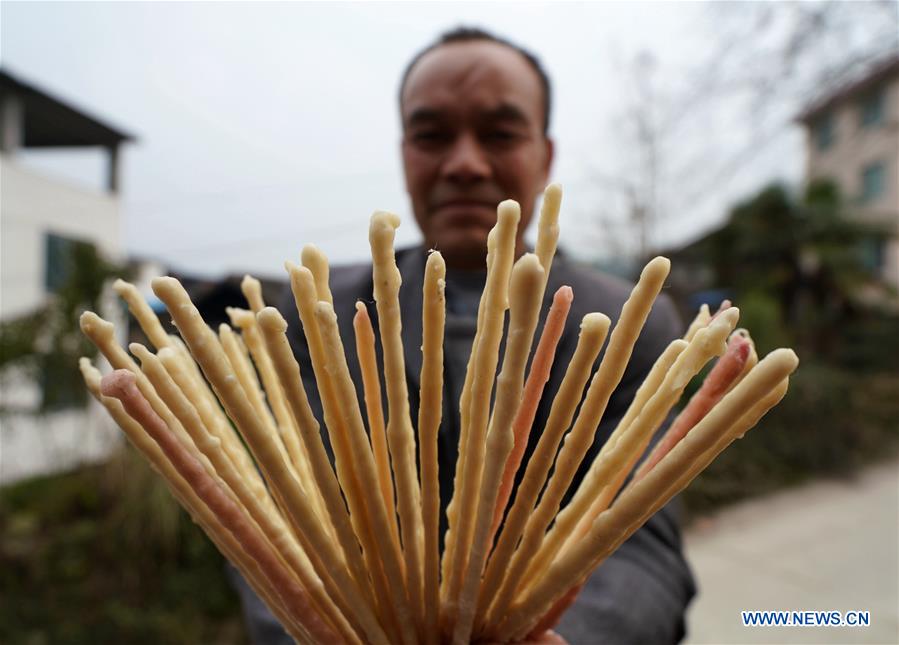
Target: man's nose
{"x":466,"y":161}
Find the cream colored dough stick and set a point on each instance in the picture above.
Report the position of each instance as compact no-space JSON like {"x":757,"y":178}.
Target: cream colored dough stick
{"x":154,"y":331}
{"x":371,"y":385}
{"x":586,"y":504}
{"x":141,"y":311}
{"x":548,"y":228}
{"x":747,"y":421}
{"x":121,"y":385}
{"x":274,"y":328}
{"x":615,"y":456}
{"x":365,"y":464}
{"x":313,"y":259}
{"x":252,"y":291}
{"x":102,"y":334}
{"x":177,"y":368}
{"x":701,"y":320}
{"x":593,"y":330}
{"x":327,"y":559}
{"x":525,"y":298}
{"x":639,"y":502}
{"x":255,"y":501}
{"x":303,"y":286}
{"x":633,"y":316}
{"x":149,"y":323}
{"x":285,"y":424}
{"x":429,"y":414}
{"x":400,"y":436}
{"x":452,"y":510}
{"x":497,"y":290}
{"x":186,"y":496}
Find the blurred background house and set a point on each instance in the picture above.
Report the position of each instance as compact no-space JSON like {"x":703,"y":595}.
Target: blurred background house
{"x":53,"y":231}
{"x":852,"y":138}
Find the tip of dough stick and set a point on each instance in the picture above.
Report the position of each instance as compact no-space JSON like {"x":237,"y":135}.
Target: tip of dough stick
{"x":657,"y":265}
{"x":118,"y":383}
{"x":508,"y":209}
{"x":271,"y":318}
{"x":563,"y":294}
{"x":595,"y":320}
{"x":94,"y":326}
{"x":140,"y":351}
{"x":384,"y":219}
{"x":121,"y":286}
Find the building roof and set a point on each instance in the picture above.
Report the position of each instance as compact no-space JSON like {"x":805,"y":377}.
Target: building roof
{"x":52,"y":122}
{"x":875,"y":74}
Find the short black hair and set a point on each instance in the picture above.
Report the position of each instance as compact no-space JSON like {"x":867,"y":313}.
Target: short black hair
{"x":468,"y":34}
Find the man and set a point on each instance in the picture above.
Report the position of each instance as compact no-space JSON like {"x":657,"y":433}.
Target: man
{"x":475,"y":114}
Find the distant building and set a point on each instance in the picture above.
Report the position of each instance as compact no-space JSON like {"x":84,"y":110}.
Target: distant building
{"x":42,"y":218}
{"x":852,"y":138}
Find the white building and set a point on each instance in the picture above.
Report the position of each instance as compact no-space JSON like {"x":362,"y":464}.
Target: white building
{"x":40,"y":217}
{"x":852,"y":138}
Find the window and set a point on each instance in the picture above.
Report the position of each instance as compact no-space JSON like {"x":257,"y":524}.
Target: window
{"x":871,"y":109}
{"x":873,"y":181}
{"x":59,"y":258}
{"x":824,"y":132}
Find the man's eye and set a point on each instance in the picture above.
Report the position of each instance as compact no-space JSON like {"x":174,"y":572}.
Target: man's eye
{"x":430,"y":136}
{"x":500,"y":136}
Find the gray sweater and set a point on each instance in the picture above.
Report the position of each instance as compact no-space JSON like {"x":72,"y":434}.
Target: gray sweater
{"x":640,"y":593}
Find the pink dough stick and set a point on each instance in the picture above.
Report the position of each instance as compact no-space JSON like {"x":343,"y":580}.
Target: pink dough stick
{"x":121,"y":384}
{"x":541,"y":365}
{"x":725,"y":373}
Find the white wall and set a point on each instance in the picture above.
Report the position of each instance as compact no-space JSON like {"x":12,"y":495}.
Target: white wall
{"x":32,"y":204}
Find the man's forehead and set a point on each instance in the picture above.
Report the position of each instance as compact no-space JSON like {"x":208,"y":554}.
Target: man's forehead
{"x":485,"y":74}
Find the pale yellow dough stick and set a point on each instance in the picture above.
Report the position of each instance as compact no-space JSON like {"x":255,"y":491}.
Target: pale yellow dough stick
{"x":400,"y":436}
{"x":249,"y":495}
{"x":316,"y":542}
{"x":620,"y":453}
{"x":371,"y":385}
{"x":186,"y":496}
{"x":102,"y":334}
{"x":154,"y":331}
{"x":525,"y":298}
{"x":302,"y":285}
{"x":177,"y":368}
{"x":142,"y":312}
{"x":364,"y":461}
{"x":274,"y":328}
{"x":452,"y":510}
{"x":285,"y":424}
{"x":252,"y":291}
{"x":313,"y":259}
{"x":429,"y":414}
{"x":624,"y":335}
{"x":640,"y":501}
{"x":616,"y":458}
{"x":496,"y":293}
{"x":701,"y":320}
{"x":588,"y":502}
{"x":593,"y":330}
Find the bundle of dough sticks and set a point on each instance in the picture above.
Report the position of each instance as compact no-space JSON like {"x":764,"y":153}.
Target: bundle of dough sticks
{"x":345,"y":547}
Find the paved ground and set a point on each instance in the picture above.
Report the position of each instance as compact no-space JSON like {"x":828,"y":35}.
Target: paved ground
{"x":831,"y":545}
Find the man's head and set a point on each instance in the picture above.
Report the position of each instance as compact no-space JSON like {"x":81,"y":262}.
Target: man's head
{"x":475,"y":114}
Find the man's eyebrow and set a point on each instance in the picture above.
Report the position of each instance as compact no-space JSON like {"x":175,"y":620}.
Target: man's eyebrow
{"x":423,"y":115}
{"x":507,"y":112}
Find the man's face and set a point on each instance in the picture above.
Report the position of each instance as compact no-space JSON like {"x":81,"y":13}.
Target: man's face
{"x":472,"y":117}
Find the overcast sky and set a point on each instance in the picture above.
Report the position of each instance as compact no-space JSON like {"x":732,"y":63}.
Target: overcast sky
{"x":265,"y":126}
